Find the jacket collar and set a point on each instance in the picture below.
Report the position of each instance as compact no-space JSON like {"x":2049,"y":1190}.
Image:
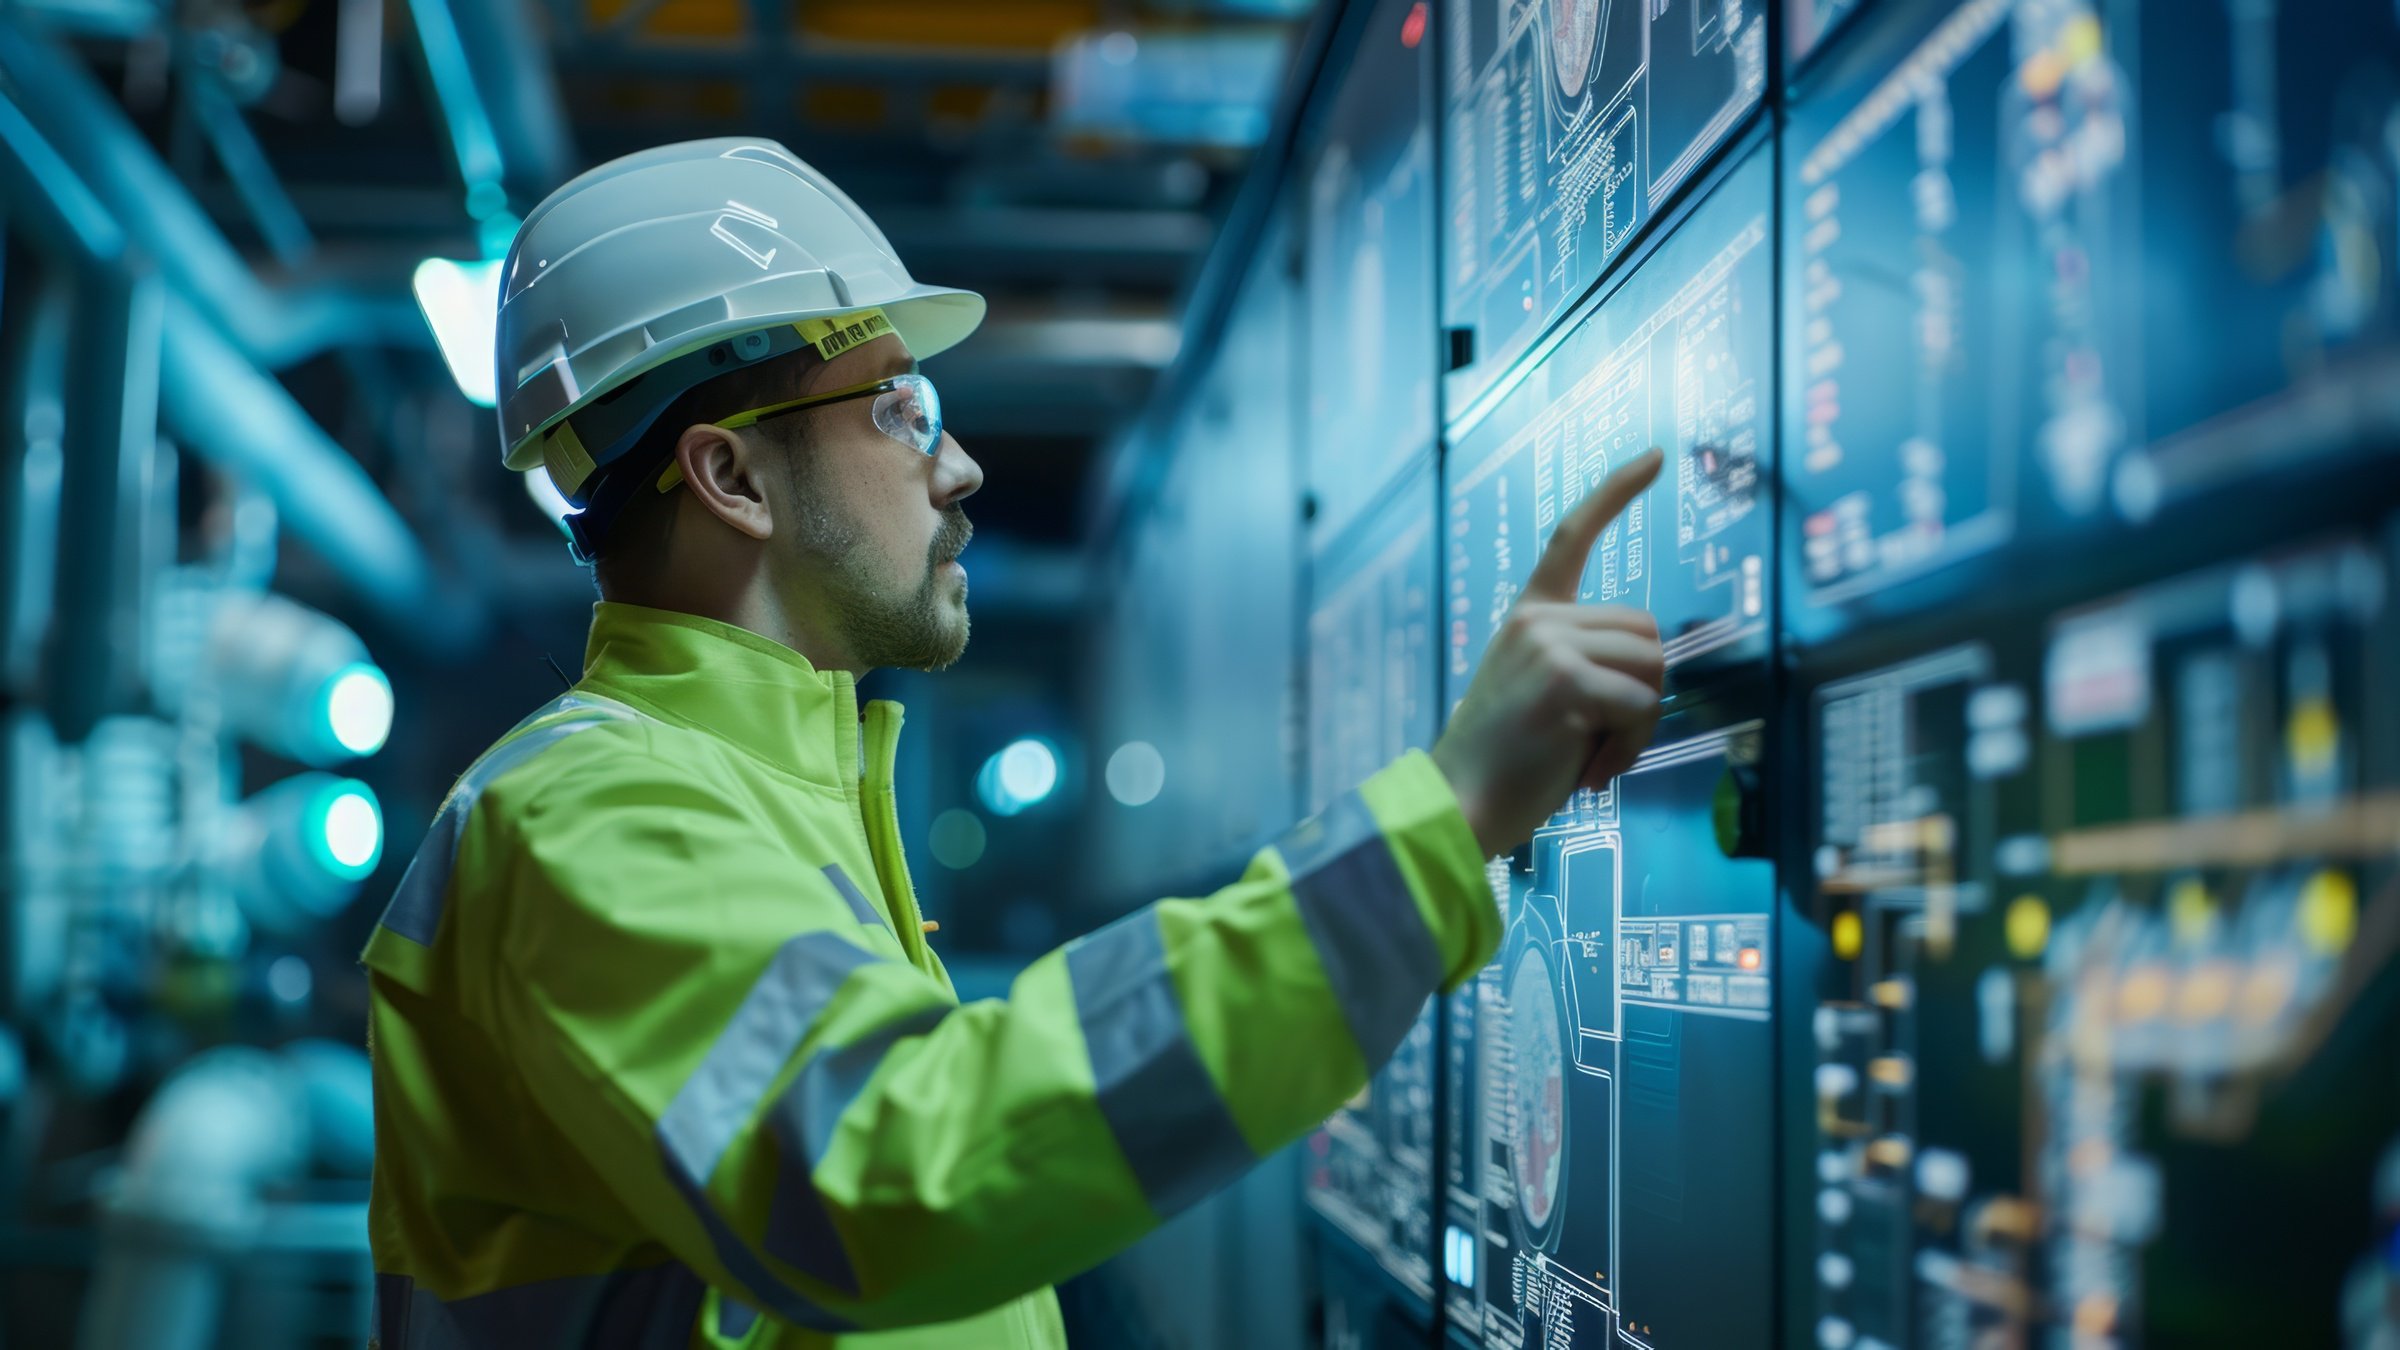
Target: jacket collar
{"x":752,"y":692}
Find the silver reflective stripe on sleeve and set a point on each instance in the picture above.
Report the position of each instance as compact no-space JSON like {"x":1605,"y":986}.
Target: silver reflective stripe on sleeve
{"x":649,"y":1309}
{"x":1176,"y":1132}
{"x":803,"y":1120}
{"x":731,"y":1083}
{"x":415,"y":912}
{"x":1379,"y":956}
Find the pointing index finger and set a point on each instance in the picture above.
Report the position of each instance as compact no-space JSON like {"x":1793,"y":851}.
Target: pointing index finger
{"x":1559,"y":574}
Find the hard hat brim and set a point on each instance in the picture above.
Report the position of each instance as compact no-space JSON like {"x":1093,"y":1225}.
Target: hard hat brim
{"x":929,"y":319}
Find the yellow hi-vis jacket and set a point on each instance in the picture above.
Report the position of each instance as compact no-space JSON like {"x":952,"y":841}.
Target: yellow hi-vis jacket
{"x":662,"y":1057}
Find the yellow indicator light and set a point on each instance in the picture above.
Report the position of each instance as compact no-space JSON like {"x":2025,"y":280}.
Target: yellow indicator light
{"x":2191,"y":912}
{"x":1892,"y":993}
{"x":2080,"y":40}
{"x":2007,"y":1218}
{"x":1892,"y":1071}
{"x":2028,"y":925}
{"x":2328,"y":911}
{"x":1849,"y":935}
{"x":2312,"y":736}
{"x":1890,"y":1153}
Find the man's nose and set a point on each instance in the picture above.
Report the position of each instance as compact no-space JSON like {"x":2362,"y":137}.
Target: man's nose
{"x":956,"y":475}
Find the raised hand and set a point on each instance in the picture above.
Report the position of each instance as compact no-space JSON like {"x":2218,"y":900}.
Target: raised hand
{"x":1567,"y":695}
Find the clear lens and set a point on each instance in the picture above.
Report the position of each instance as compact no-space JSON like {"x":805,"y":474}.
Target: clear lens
{"x":910,"y":412}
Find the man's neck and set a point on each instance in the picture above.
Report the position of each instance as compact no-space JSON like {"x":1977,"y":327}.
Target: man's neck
{"x":749,"y":610}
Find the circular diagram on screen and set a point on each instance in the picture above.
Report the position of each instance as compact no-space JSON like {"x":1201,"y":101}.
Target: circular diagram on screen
{"x":1574,"y":32}
{"x":1537,"y":1090}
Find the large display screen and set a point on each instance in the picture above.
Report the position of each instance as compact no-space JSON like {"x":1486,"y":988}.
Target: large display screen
{"x":1567,"y":125}
{"x":2053,"y":267}
{"x":1202,"y":622}
{"x":1611,"y":1069}
{"x":1680,"y":356}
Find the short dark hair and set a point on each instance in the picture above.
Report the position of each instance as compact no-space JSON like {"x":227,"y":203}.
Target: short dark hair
{"x":634,"y":542}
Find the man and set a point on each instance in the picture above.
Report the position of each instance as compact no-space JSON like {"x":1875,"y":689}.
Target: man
{"x":662,"y":1057}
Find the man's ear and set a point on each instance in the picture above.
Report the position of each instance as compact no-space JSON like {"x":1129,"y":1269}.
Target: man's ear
{"x":721,"y":471}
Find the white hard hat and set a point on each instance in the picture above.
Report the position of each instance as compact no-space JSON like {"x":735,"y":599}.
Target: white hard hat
{"x":651,"y":273}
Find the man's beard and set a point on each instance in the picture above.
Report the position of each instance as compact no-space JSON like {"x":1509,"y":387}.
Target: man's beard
{"x":915,"y":630}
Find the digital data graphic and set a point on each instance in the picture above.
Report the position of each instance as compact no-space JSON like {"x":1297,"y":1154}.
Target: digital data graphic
{"x":1567,"y":125}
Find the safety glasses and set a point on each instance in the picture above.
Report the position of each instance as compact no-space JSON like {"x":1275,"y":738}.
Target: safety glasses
{"x":906,"y":408}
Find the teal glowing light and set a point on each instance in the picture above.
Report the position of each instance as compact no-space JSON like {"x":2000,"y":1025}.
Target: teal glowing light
{"x":344,"y":828}
{"x":358,"y":708}
{"x":1019,"y":776}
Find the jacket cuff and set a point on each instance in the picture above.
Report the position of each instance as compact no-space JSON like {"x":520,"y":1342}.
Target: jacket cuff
{"x":1435,"y":847}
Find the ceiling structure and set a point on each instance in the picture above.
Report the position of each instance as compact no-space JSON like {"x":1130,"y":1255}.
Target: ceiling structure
{"x":337,"y":143}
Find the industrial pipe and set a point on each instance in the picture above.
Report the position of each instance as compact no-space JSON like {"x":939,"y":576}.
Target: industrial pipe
{"x":111,"y":439}
{"x":496,"y":93}
{"x":225,"y":409}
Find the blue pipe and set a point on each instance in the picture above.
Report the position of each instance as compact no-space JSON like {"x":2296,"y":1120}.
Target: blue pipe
{"x":473,"y":145}
{"x":48,"y":199}
{"x":224,"y":408}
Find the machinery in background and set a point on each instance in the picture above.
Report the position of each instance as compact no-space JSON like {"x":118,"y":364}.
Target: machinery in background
{"x":158,"y":918}
{"x":177,"y":828}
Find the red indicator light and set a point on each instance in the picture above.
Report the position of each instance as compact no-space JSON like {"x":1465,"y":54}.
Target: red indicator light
{"x":1747,"y":959}
{"x":1412,"y":28}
